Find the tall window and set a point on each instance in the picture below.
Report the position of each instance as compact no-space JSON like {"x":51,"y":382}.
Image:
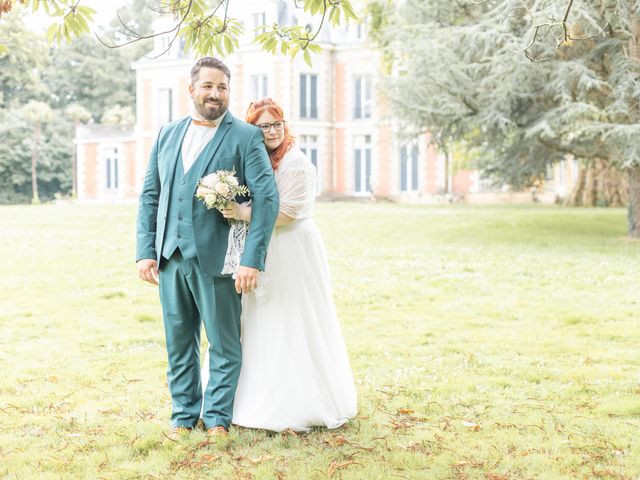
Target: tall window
{"x":409,"y":155}
{"x":164,"y":43}
{"x":562,"y":173}
{"x":181,"y":47}
{"x":111,"y":164}
{"x":165,"y":106}
{"x":362,"y":163}
{"x":259,"y":20}
{"x":259,"y":86}
{"x":309,"y":146}
{"x":362,"y":97}
{"x":549,"y":173}
{"x":308,"y":96}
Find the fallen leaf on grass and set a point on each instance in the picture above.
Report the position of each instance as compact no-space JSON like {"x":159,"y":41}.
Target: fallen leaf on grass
{"x":337,"y":441}
{"x":416,"y":447}
{"x":495,"y":476}
{"x":335,"y":466}
{"x":468,"y":463}
{"x":473,"y":426}
{"x":210,"y":458}
{"x":261,"y":458}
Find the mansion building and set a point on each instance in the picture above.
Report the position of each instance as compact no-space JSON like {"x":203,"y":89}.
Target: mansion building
{"x":339,"y":117}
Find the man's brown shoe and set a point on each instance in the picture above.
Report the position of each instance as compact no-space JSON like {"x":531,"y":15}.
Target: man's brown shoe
{"x":217,"y":431}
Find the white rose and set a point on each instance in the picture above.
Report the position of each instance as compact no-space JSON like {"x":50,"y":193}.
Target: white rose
{"x":210,"y":180}
{"x":232,"y":181}
{"x":210,"y":199}
{"x":221,"y":188}
{"x":201,"y":191}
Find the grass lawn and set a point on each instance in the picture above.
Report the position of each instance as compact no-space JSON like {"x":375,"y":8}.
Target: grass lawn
{"x":487,"y":343}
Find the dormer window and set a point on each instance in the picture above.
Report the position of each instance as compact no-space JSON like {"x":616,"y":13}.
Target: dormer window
{"x":164,"y":43}
{"x":259,"y":19}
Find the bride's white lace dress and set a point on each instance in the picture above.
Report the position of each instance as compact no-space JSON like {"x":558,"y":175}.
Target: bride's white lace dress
{"x":295,"y":369}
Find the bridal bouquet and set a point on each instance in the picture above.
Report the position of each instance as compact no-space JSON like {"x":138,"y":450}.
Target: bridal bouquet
{"x":220,"y":188}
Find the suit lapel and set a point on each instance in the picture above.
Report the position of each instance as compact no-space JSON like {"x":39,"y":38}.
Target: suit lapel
{"x":176,"y":142}
{"x":211,"y":148}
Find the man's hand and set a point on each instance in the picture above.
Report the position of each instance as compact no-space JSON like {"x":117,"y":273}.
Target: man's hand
{"x":246,"y":279}
{"x":148,"y":270}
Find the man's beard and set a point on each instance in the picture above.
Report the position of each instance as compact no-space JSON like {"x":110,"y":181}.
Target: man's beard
{"x":209,"y":111}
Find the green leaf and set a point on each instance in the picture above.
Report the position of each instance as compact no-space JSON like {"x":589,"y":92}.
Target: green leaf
{"x":82,"y":24}
{"x":314,"y":6}
{"x":67,"y":35}
{"x":86,"y":11}
{"x":261,"y":38}
{"x":332,"y":14}
{"x":307,"y":58}
{"x":270,"y":45}
{"x":348,"y":10}
{"x":51,"y":32}
{"x":228,"y":44}
{"x":72,"y":27}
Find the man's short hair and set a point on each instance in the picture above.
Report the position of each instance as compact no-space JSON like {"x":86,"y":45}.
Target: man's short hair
{"x":208,"y":62}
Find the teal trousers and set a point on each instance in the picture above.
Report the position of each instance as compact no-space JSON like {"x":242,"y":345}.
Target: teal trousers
{"x":190,"y":297}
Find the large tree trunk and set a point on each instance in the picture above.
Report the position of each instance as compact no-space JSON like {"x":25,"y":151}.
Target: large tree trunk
{"x":599,"y":185}
{"x":34,"y":158}
{"x":633,"y":214}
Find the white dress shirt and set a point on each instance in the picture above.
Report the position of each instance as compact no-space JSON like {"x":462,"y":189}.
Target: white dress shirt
{"x":196,"y":138}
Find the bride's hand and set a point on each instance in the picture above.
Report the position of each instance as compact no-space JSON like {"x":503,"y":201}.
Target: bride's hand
{"x":236,"y":212}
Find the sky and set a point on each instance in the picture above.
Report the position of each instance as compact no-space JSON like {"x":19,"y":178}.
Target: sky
{"x":105,"y":11}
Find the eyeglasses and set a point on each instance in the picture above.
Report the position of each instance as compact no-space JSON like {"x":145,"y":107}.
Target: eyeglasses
{"x":277,"y":126}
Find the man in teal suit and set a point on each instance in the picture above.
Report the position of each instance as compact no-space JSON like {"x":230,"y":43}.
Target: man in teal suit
{"x":181,"y":245}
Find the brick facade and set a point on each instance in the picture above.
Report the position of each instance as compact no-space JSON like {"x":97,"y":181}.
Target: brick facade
{"x":335,"y":109}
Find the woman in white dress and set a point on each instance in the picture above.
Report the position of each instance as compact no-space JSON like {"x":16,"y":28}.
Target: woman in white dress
{"x":295,"y":369}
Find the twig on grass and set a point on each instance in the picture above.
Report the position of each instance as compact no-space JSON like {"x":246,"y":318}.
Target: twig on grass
{"x":133,"y":380}
{"x":335,"y":466}
{"x":169,"y":438}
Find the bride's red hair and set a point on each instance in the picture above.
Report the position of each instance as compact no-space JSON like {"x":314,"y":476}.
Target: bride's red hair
{"x":255,"y":110}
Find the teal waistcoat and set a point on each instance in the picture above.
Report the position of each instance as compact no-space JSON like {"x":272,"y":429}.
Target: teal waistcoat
{"x":179,"y":228}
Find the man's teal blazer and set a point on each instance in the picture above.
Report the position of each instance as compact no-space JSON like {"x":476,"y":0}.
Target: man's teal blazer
{"x":236,"y":145}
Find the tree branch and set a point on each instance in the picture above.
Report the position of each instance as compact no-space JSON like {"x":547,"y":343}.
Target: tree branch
{"x":561,"y":39}
{"x":138,"y":38}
